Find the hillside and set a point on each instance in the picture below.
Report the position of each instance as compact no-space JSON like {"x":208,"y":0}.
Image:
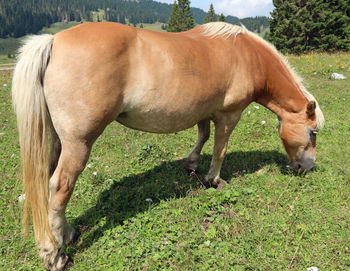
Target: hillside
{"x":21,"y":17}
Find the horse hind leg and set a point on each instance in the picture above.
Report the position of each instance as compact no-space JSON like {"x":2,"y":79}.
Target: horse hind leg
{"x":70,"y":234}
{"x":191,"y":160}
{"x":70,"y":164}
{"x":224,"y":125}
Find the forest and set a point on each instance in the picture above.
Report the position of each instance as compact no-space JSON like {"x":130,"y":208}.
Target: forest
{"x":21,"y":17}
{"x":299,"y":26}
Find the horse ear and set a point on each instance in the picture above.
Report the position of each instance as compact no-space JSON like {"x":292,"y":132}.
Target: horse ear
{"x":311,"y":108}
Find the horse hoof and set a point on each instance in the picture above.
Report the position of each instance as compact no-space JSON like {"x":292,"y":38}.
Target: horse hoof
{"x":76,"y":237}
{"x":68,"y":265}
{"x":192,"y":172}
{"x":221,"y":185}
{"x":59,"y":263}
{"x":71,"y":236}
{"x":190,"y":167}
{"x":217,"y":183}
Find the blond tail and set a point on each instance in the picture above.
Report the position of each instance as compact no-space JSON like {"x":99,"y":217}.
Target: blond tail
{"x":32,"y":121}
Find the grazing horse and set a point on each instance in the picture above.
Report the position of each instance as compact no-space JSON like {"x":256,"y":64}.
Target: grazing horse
{"x":73,"y":84}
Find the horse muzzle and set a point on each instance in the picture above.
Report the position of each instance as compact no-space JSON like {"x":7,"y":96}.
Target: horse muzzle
{"x":303,"y":165}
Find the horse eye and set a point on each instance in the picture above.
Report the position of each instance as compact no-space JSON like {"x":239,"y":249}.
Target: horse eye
{"x":313,"y":133}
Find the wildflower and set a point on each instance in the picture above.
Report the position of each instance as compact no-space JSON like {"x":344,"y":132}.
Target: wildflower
{"x":263,"y":122}
{"x":94,"y":173}
{"x":5,"y":85}
{"x":148,"y":200}
{"x":248,"y":112}
{"x":21,"y":197}
{"x":256,"y":107}
{"x":312,"y":268}
{"x":88,"y":166}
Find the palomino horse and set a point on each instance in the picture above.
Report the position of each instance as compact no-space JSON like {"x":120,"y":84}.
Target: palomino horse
{"x":75,"y":83}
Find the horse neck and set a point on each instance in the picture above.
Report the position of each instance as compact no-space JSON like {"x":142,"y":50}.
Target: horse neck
{"x":282,"y":93}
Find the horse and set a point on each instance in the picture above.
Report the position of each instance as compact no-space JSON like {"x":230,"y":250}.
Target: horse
{"x":69,"y":86}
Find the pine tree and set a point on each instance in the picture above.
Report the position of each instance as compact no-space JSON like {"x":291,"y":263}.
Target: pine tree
{"x":173,"y":19}
{"x":301,"y":26}
{"x":181,"y":18}
{"x":211,"y":17}
{"x":222,"y":18}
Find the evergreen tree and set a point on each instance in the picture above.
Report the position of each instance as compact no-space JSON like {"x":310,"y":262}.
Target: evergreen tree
{"x":222,"y":18}
{"x":300,"y":26}
{"x":181,"y":18}
{"x":211,"y":17}
{"x":172,"y":25}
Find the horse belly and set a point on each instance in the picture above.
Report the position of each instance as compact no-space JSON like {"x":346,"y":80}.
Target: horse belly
{"x":159,"y":122}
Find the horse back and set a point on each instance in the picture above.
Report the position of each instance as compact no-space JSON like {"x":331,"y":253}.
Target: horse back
{"x":141,"y":78}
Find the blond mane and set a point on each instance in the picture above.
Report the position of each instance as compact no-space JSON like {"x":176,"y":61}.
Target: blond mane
{"x":226,"y":30}
{"x":222,"y":29}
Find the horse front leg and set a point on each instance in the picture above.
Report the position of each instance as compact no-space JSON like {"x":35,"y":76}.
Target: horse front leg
{"x":70,"y":164}
{"x":191,"y":160}
{"x":224,"y":124}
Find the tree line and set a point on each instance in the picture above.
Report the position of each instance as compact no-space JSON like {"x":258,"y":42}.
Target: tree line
{"x":310,"y":25}
{"x":21,"y":17}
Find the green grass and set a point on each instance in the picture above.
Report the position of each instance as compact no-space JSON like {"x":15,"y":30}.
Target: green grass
{"x":9,"y":46}
{"x":265,"y":219}
{"x":57,"y":27}
{"x":156,"y":26}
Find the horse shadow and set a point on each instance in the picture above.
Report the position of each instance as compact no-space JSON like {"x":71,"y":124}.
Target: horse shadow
{"x":135,"y":194}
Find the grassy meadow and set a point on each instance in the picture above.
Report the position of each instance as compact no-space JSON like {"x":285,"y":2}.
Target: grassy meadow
{"x":139,"y":210}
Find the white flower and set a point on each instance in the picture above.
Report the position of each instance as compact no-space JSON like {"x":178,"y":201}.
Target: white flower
{"x":312,"y":268}
{"x":88,"y":166}
{"x":5,"y":85}
{"x":248,"y":112}
{"x":21,"y":197}
{"x":256,"y":107}
{"x":148,"y":200}
{"x":263,"y":122}
{"x":94,"y":173}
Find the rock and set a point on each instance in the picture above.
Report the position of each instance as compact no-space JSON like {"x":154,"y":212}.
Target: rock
{"x":338,"y":76}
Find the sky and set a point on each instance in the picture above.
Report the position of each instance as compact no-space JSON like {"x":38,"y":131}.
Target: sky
{"x":238,"y":8}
